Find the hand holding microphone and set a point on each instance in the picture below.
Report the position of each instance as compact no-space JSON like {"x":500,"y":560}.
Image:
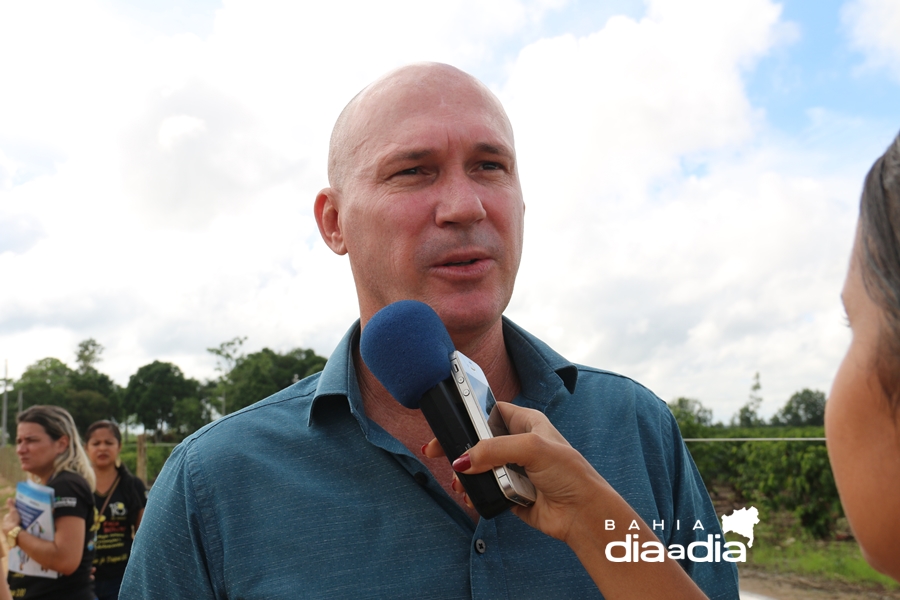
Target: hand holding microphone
{"x":573,"y":501}
{"x":565,"y":482}
{"x":407,"y":348}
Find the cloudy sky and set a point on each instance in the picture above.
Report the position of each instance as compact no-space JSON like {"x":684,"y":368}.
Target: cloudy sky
{"x":691,"y":170}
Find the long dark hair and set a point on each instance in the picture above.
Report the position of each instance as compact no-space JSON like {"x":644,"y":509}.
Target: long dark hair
{"x":879,"y":241}
{"x":132,"y":499}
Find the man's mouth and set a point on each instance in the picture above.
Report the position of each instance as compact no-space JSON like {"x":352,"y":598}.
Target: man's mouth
{"x":461,"y":263}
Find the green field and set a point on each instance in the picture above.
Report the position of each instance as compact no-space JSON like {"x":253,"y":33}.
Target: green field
{"x":781,"y":545}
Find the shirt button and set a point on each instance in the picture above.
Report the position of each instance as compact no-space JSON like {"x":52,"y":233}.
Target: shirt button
{"x":421,"y":478}
{"x":480,"y":546}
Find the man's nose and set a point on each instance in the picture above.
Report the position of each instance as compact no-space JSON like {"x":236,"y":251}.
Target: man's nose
{"x":459,"y":202}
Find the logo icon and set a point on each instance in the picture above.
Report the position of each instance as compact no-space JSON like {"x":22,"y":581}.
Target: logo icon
{"x":741,"y":522}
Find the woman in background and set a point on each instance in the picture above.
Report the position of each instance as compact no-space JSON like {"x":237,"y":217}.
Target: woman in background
{"x":120,"y":499}
{"x":862,"y":418}
{"x":49,"y":449}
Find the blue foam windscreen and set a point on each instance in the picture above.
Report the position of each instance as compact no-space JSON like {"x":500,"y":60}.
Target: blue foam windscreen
{"x":407,"y":348}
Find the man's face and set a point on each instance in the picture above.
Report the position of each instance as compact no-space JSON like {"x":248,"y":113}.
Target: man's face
{"x":431,"y":207}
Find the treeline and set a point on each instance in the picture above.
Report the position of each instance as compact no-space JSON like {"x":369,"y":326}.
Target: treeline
{"x":804,"y":408}
{"x":159,"y":396}
{"x":792,"y":476}
{"x":773,"y":476}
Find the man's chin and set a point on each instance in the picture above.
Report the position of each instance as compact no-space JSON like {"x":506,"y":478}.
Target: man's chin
{"x":465,"y":319}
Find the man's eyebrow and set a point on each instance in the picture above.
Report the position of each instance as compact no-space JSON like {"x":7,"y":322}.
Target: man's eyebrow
{"x":420,"y":153}
{"x":408,"y":155}
{"x":492,"y":149}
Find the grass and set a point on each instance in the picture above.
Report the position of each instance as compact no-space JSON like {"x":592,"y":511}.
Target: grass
{"x":781,"y":546}
{"x":156,"y":458}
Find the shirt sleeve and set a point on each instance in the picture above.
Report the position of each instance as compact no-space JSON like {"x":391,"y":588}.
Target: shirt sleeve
{"x":140,"y":491}
{"x":170,"y":556}
{"x":72,"y":498}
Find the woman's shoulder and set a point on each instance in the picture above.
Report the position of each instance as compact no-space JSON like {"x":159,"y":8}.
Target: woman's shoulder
{"x":70,"y":482}
{"x":72,"y":496}
{"x":138,"y":490}
{"x":129,"y":479}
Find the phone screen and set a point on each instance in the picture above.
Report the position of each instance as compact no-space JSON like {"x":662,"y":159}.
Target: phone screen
{"x":518,"y":490}
{"x":487,"y":403}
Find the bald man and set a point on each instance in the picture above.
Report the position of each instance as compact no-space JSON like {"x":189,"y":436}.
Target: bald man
{"x":322,"y":490}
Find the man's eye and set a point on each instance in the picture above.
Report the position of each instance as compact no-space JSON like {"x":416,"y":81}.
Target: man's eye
{"x":410,"y":171}
{"x":491,"y":166}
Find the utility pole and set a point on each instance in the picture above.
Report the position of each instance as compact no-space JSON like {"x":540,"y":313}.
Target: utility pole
{"x":5,"y":400}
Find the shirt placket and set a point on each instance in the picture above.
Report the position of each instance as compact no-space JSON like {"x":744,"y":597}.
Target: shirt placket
{"x":486,"y":573}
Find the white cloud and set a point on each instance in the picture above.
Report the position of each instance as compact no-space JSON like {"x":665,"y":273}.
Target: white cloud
{"x":668,"y":237}
{"x":178,"y":128}
{"x":159,"y":187}
{"x":875,"y":30}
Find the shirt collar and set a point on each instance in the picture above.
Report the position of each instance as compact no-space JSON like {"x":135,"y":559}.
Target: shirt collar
{"x":338,"y":378}
{"x":540,"y":370}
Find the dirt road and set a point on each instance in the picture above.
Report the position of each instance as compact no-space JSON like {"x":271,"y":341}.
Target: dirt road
{"x":794,"y":587}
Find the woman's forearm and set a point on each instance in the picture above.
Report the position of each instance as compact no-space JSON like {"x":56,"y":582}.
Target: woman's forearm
{"x":47,"y":554}
{"x":637,"y":579}
{"x":64,"y":552}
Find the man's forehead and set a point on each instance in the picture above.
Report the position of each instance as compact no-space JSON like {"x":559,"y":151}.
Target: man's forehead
{"x":404,"y":106}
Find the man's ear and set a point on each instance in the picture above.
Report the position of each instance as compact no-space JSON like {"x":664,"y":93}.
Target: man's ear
{"x":326,"y":210}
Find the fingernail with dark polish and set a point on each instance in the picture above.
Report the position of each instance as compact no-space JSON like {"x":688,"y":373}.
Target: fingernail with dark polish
{"x":462,"y":463}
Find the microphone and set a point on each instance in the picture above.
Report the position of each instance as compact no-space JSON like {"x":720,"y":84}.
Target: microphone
{"x":408,"y":349}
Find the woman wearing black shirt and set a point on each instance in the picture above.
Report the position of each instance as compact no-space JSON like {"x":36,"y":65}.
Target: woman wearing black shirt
{"x":49,"y":449}
{"x":120,"y":499}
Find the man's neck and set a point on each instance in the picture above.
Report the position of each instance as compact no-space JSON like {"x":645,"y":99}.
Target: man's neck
{"x":409,"y":426}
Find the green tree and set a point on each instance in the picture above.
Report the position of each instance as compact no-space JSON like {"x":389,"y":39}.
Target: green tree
{"x":229,"y":354}
{"x":152,"y":393}
{"x":46,"y":381}
{"x":87,"y":406}
{"x":795,"y":476}
{"x":806,"y":407}
{"x":189,"y":415}
{"x":748,"y":415}
{"x":261,"y":374}
{"x":88,"y":354}
{"x":693,"y":418}
{"x":102,"y":385}
{"x":88,"y":395}
{"x":106,"y":402}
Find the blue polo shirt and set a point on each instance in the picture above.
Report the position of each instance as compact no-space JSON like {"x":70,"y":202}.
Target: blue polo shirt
{"x":300,"y":495}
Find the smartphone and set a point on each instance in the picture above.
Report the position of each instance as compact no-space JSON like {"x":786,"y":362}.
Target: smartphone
{"x":481,"y":407}
{"x":461,"y":411}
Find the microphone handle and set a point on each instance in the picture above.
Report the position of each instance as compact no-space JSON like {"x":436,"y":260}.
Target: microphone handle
{"x":449,"y":421}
